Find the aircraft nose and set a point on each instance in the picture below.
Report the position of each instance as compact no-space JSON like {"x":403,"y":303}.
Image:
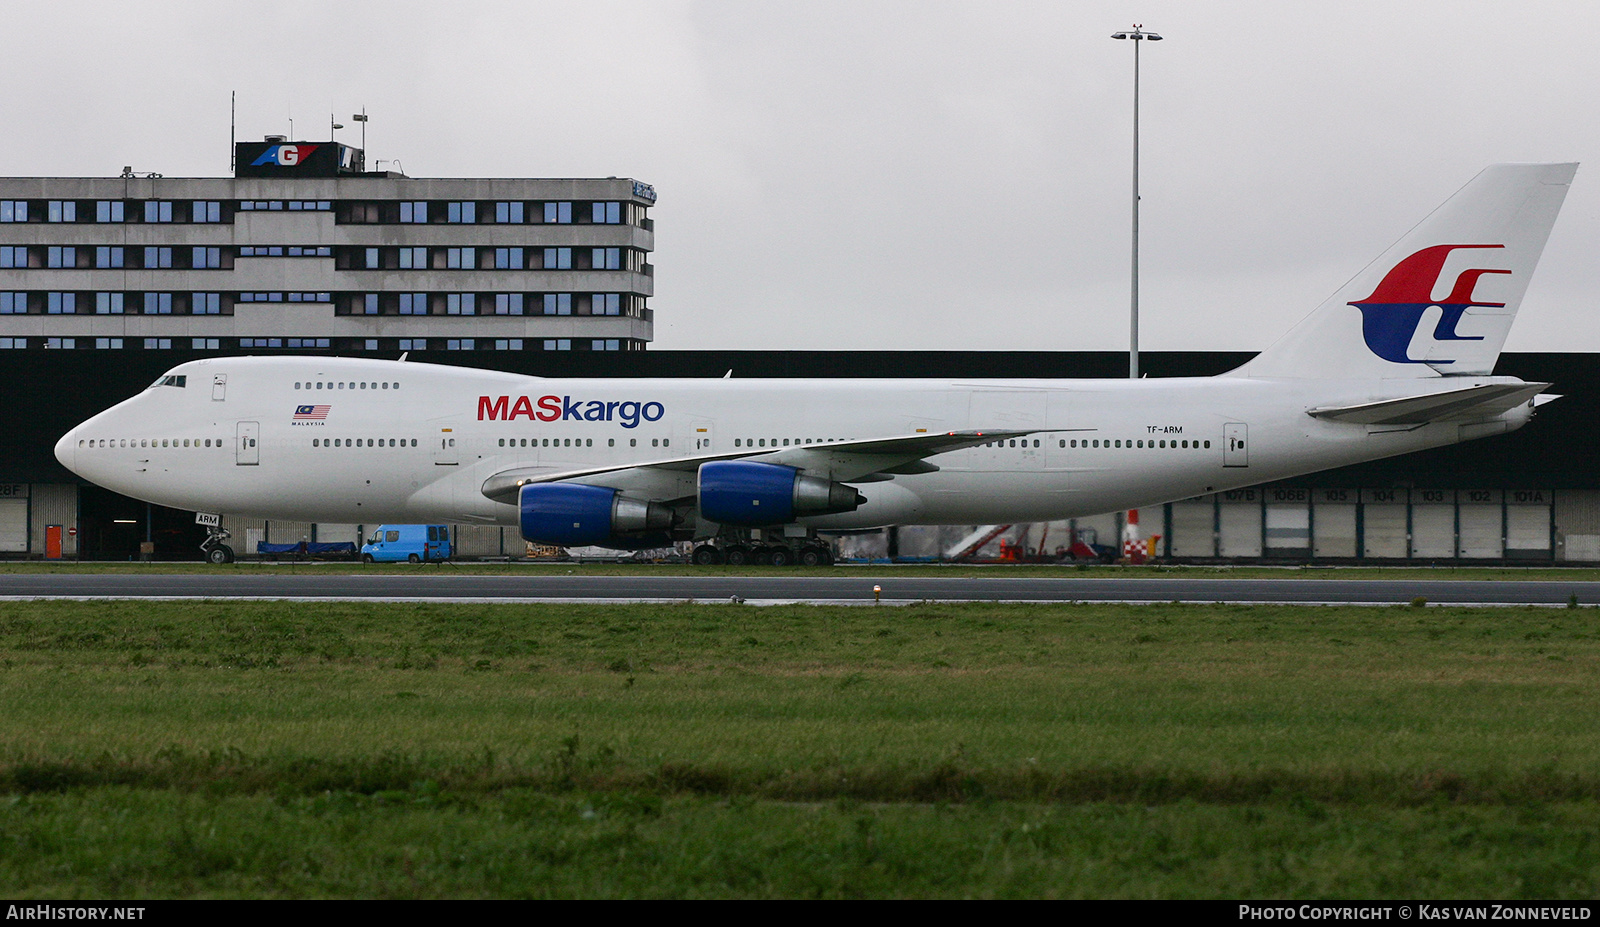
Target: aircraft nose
{"x":67,"y":450}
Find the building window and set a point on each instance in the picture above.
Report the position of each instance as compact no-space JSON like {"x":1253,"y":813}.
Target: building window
{"x":374,"y":259}
{"x":108,"y":304}
{"x":466,"y":213}
{"x":367,"y":304}
{"x":61,"y":256}
{"x":413,"y":258}
{"x":369,"y":344}
{"x":205,"y":304}
{"x":558,"y":259}
{"x":310,"y":251}
{"x":508,"y":213}
{"x":109,"y":256}
{"x":158,"y":304}
{"x":13,"y":210}
{"x":259,"y":343}
{"x":109,"y":211}
{"x":460,"y":344}
{"x":205,"y":344}
{"x":606,"y":304}
{"x":161,"y":344}
{"x":461,"y":304}
{"x":559,"y":213}
{"x":158,"y":211}
{"x":308,"y":342}
{"x":260,"y":205}
{"x":508,"y":304}
{"x":413,"y":344}
{"x":13,"y":304}
{"x":61,"y":303}
{"x":10,"y":343}
{"x":207,"y":258}
{"x":508,"y":344}
{"x":508,"y":259}
{"x":558,"y":344}
{"x":60,"y":344}
{"x":207,"y":211}
{"x":13,"y":256}
{"x":157,"y":257}
{"x":558,"y":304}
{"x":61,"y":211}
{"x":607,"y":213}
{"x":413,"y":304}
{"x":309,"y":205}
{"x":414,"y":211}
{"x":461,"y":258}
{"x":607,"y":259}
{"x":108,"y":344}
{"x":605,"y":344}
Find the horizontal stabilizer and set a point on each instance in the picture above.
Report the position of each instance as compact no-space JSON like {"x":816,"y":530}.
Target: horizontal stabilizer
{"x":1476,"y":402}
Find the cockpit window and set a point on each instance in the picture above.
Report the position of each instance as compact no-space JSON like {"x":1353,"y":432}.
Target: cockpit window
{"x":180,"y":380}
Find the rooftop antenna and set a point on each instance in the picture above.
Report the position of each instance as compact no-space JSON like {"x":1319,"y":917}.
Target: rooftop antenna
{"x":233,"y":129}
{"x":361,"y":117}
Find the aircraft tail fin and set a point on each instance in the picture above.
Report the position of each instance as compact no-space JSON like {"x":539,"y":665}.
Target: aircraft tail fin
{"x":1441,"y":300}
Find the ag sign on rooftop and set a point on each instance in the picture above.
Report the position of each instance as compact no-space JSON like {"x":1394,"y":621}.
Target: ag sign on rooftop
{"x":278,"y":157}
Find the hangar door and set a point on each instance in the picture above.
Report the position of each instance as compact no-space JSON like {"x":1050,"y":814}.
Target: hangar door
{"x":1479,"y":515}
{"x":1383,"y":523}
{"x":1239,"y":523}
{"x":1528,"y":523}
{"x":1433,"y":523}
{"x":1334,"y":522}
{"x":14,"y":525}
{"x":1288,"y":522}
{"x":1194,"y":525}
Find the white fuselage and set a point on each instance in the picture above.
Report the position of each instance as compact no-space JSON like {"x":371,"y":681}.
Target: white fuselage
{"x":408,"y":442}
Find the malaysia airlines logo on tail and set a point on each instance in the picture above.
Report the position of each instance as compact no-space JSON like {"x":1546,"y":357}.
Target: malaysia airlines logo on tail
{"x":1391,"y":315}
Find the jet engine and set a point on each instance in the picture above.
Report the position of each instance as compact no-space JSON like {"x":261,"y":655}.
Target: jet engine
{"x":741,"y":492}
{"x":577,"y":515}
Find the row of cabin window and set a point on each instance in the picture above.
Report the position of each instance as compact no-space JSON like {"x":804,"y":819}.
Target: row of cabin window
{"x":342,"y":384}
{"x":356,"y":442}
{"x":1130,"y":442}
{"x":762,"y":442}
{"x":149,"y":442}
{"x":576,"y":442}
{"x":466,"y":212}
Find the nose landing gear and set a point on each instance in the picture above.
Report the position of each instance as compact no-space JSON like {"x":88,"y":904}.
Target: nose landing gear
{"x":215,"y":551}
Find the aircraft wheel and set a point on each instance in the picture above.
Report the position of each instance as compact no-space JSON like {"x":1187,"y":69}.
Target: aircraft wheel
{"x":366,"y":558}
{"x":780,"y":557}
{"x":413,"y":558}
{"x":810,"y":556}
{"x":706,"y":555}
{"x":218,"y":555}
{"x":736,"y":556}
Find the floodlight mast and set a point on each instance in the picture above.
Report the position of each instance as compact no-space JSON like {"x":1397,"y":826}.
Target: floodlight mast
{"x":1138,"y":35}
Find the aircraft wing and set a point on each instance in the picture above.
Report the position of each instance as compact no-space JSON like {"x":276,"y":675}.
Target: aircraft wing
{"x":1474,"y":402}
{"x":669,"y":479}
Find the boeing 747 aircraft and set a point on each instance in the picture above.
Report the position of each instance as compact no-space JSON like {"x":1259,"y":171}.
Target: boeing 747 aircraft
{"x":1399,"y":359}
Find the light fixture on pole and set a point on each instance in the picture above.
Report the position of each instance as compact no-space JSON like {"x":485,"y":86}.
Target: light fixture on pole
{"x":361,"y":117}
{"x":1138,"y":35}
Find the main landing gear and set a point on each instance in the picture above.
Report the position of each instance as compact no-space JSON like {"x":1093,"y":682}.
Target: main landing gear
{"x":773,"y":550}
{"x":212,"y":547}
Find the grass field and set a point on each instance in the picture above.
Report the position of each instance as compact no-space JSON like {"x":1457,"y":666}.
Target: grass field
{"x":377,"y":750}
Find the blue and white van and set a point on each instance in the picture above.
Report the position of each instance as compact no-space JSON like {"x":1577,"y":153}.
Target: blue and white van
{"x":416,"y":543}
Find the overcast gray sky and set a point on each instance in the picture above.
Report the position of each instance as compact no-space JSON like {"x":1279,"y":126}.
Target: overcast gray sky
{"x":883,"y":175}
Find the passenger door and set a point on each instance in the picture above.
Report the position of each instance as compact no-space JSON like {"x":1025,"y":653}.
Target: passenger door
{"x":246,"y":452}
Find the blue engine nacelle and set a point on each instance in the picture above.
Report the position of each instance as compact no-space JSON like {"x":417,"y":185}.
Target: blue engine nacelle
{"x":576,"y":515}
{"x":742,"y":492}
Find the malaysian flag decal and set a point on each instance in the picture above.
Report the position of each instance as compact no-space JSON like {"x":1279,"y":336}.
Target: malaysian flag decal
{"x":311,"y":413}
